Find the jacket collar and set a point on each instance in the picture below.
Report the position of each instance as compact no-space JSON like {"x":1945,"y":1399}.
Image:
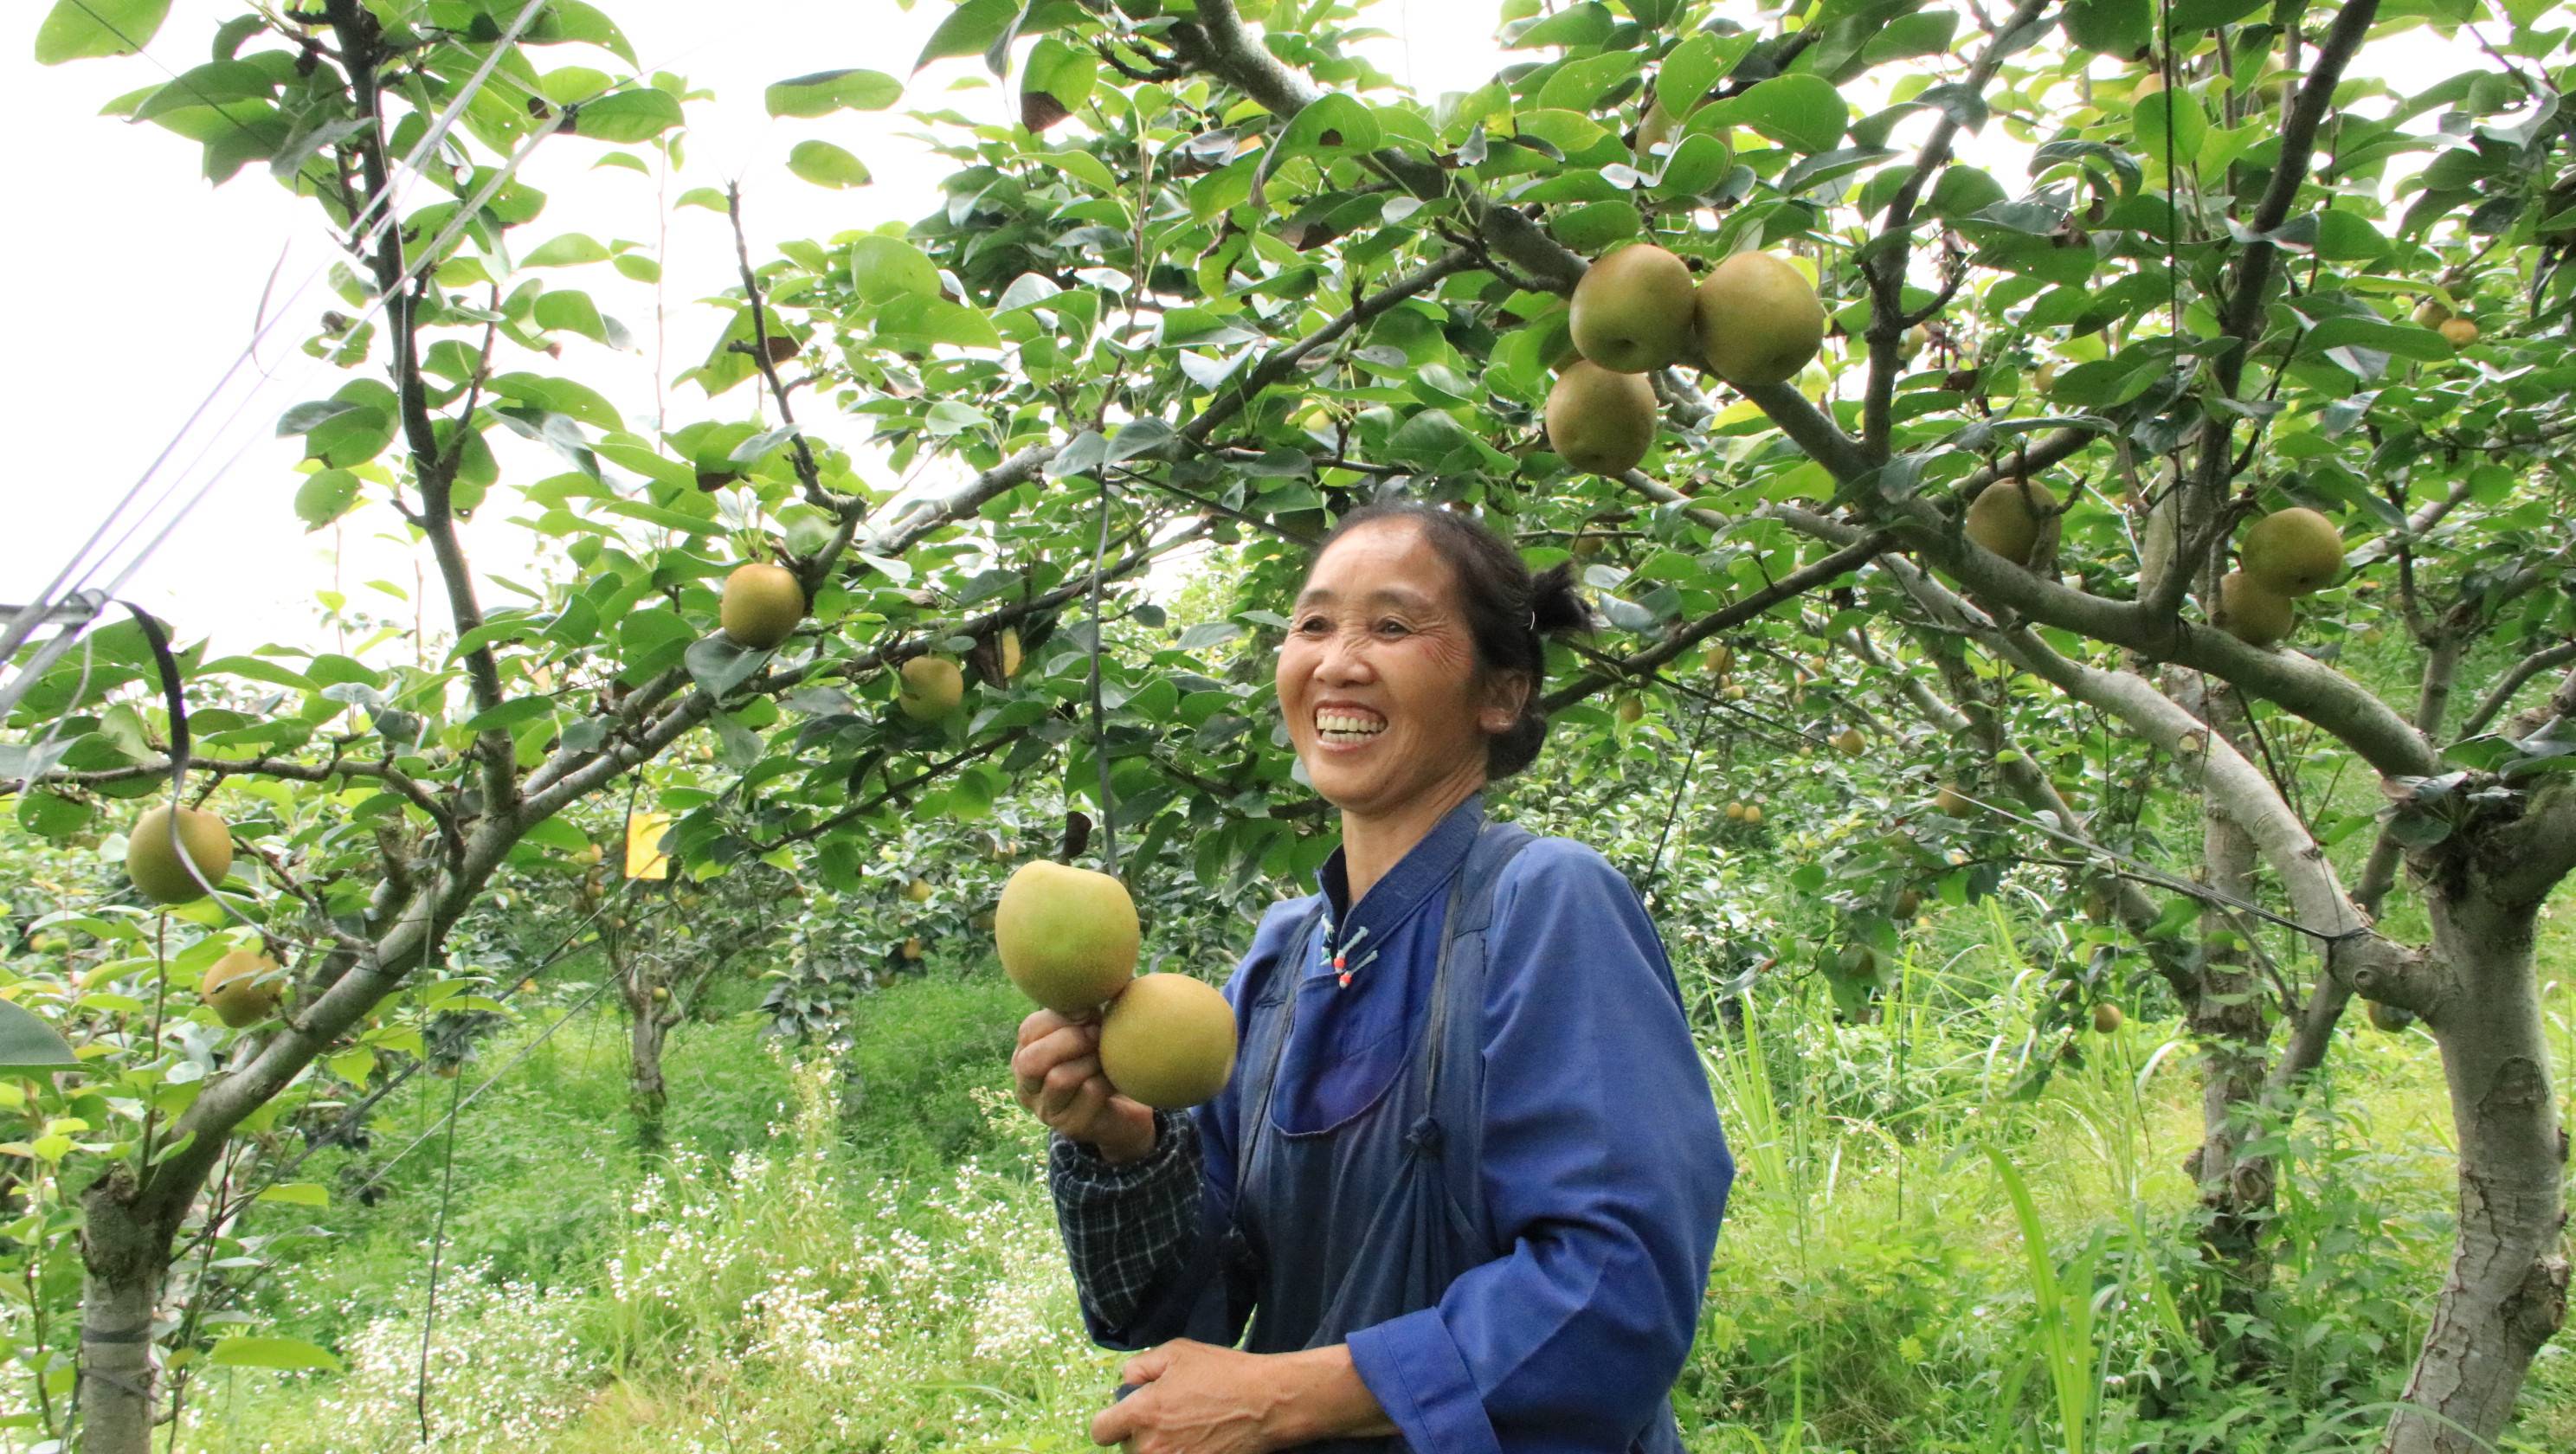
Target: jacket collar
{"x":1425,"y":867}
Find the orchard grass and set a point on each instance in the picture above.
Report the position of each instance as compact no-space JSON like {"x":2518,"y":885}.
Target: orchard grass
{"x":852,"y":1249}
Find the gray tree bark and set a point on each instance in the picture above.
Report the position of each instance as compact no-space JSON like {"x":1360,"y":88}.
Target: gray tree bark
{"x":2506,"y":1292}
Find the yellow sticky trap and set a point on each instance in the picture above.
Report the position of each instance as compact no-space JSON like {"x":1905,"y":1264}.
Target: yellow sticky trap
{"x":644,"y":855}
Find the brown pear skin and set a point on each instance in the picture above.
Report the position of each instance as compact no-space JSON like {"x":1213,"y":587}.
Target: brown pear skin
{"x":1599,"y":420}
{"x":1632,"y":311}
{"x":1759,"y":320}
{"x":762,"y":604}
{"x":2252,"y":613}
{"x":1068,"y":936}
{"x":2291,"y":552}
{"x":243,"y":988}
{"x":158,"y":872}
{"x":2007,"y":522}
{"x":1167,"y":1041}
{"x":932,"y":688}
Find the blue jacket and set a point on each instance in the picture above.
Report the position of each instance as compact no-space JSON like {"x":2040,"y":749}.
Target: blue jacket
{"x":1496,"y":1173}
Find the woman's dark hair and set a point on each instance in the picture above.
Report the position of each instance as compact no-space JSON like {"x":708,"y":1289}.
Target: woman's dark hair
{"x":1510,"y":612}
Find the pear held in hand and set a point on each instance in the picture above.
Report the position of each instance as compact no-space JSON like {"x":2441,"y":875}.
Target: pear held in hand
{"x":1167,"y":1041}
{"x":1068,"y":936}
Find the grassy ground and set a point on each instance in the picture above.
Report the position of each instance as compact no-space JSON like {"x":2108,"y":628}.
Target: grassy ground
{"x":855,"y":1252}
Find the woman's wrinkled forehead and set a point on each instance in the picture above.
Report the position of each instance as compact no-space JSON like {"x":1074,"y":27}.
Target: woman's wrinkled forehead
{"x":1397,"y":565}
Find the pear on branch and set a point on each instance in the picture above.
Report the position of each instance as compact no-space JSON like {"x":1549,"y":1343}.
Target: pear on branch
{"x":2252,"y":612}
{"x":2010,"y":516}
{"x":2292,"y":552}
{"x":1599,"y":420}
{"x":1759,"y":321}
{"x":1632,"y":312}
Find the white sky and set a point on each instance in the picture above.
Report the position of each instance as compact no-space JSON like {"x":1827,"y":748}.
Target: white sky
{"x":140,"y":284}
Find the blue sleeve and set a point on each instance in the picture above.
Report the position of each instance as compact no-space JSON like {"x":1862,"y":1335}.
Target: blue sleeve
{"x":1193,"y":1297}
{"x":1605,"y":1172}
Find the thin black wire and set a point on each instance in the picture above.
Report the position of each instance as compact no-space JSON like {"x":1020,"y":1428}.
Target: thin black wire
{"x":1099,"y":719}
{"x":437,"y":1244}
{"x":1655,"y":865}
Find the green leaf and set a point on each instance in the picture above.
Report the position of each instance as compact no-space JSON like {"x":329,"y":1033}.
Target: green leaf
{"x":1801,"y":112}
{"x":1924,"y":34}
{"x":969,"y":30}
{"x":1584,"y":84}
{"x":825,"y":92}
{"x":299,"y":1193}
{"x":1596,"y":225}
{"x":719,"y":663}
{"x":1331,"y":122}
{"x":2402,"y":339}
{"x":79,"y":29}
{"x":2171,"y":109}
{"x":271,"y":1353}
{"x":1061,"y":71}
{"x":571,"y":312}
{"x":29,"y":1044}
{"x":826,"y":165}
{"x":1589,"y":23}
{"x":886,"y":268}
{"x":1694,"y":69}
{"x":936,"y":320}
{"x":570,"y":250}
{"x":2197,"y":15}
{"x":325,"y":497}
{"x":214,"y":84}
{"x":2114,"y":27}
{"x":517,"y":712}
{"x":629,"y":116}
{"x":1700,"y":161}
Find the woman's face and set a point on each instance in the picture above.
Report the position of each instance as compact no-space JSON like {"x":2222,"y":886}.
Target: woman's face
{"x":1378,"y":677}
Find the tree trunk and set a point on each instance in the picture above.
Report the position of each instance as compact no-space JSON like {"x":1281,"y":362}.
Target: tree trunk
{"x":125,"y":1259}
{"x":2507,"y":1289}
{"x":639,"y":981}
{"x":645,"y":1090}
{"x":2226,"y":1016}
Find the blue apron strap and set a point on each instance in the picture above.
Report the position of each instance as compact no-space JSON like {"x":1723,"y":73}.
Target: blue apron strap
{"x":1471,"y":909}
{"x":1260,"y":1120}
{"x":1460,"y":1148}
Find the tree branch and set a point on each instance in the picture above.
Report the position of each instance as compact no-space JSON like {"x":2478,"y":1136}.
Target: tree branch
{"x":1798,"y":582}
{"x":2501,"y":695}
{"x":1885,"y":257}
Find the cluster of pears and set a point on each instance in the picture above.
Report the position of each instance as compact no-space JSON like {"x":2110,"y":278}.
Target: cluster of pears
{"x":1754,"y":320}
{"x":2456,"y":331}
{"x":244,"y":986}
{"x":1068,"y":938}
{"x":2288,"y":553}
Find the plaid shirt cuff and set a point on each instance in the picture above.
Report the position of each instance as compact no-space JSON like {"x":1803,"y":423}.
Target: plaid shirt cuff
{"x":1127,"y":1228}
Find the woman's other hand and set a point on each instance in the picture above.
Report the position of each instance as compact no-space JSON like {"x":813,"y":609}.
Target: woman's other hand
{"x":1194,"y":1398}
{"x":1055,"y":1072}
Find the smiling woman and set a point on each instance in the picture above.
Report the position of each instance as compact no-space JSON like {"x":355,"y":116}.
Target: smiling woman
{"x":1466,"y":1182}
